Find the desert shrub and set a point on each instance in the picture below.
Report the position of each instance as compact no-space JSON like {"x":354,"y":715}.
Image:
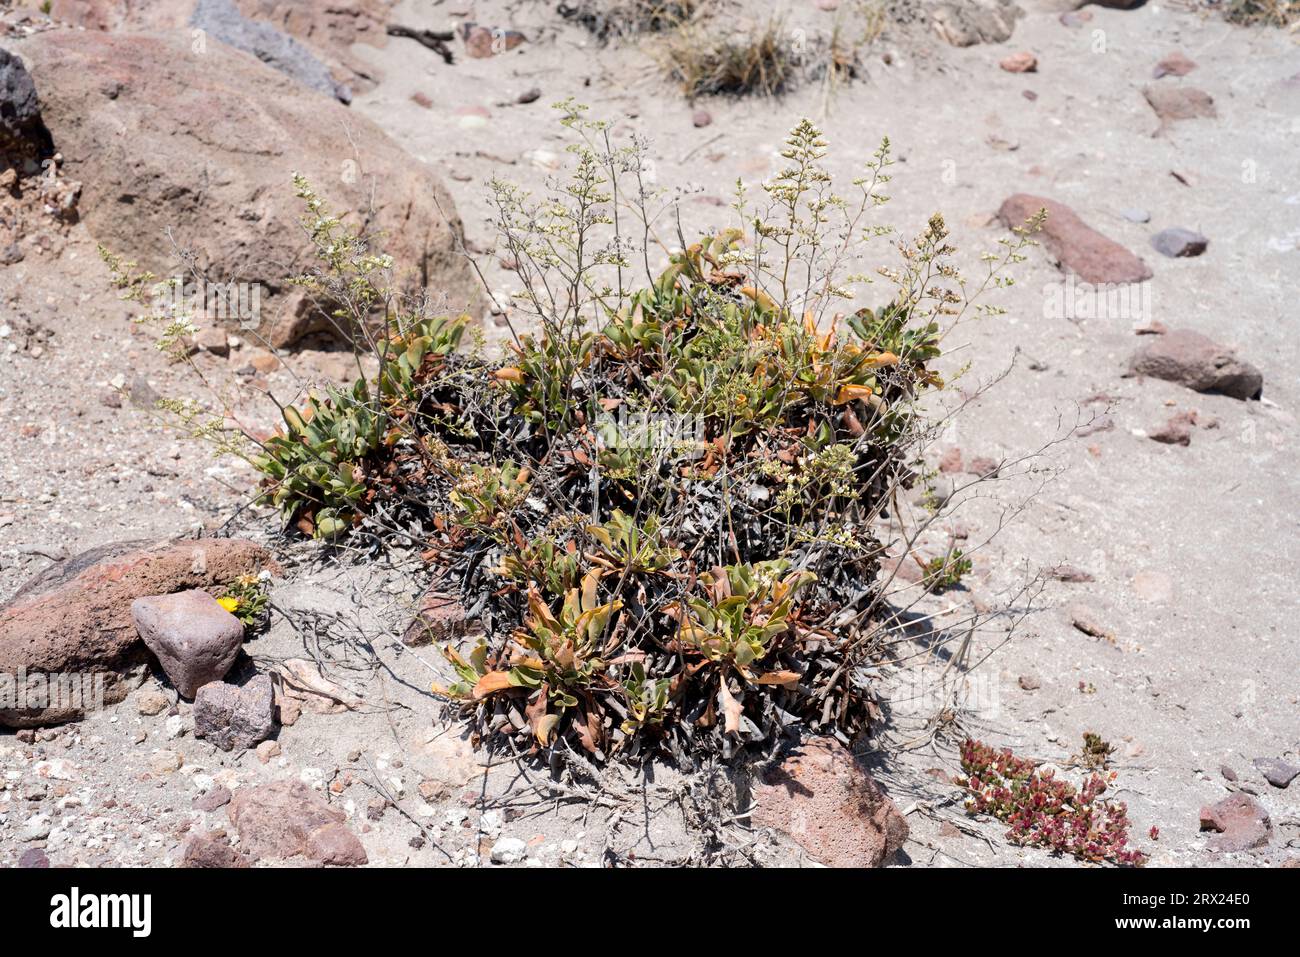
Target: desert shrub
{"x":945,"y":571}
{"x":665,"y":503}
{"x":1276,"y":13}
{"x":711,"y":54}
{"x":246,"y":598}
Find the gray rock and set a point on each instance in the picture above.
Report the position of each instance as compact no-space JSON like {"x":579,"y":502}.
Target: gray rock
{"x":1135,"y":215}
{"x":1276,"y":771}
{"x":235,"y":718}
{"x":222,"y":19}
{"x":509,"y":850}
{"x":195,"y":639}
{"x":1178,"y":242}
{"x":964,"y":23}
{"x":21,"y":129}
{"x":36,"y":828}
{"x":1197,"y":362}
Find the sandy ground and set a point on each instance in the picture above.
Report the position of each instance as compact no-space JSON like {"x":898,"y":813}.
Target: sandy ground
{"x":1192,"y":550}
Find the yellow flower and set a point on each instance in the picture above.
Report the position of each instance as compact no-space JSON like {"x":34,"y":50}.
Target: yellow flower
{"x":229,"y":602}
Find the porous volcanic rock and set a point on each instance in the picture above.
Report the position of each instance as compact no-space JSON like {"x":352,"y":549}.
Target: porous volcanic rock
{"x":822,"y":798}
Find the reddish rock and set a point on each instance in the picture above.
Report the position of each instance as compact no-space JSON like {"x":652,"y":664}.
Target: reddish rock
{"x":1087,"y":622}
{"x":1073,"y":243}
{"x":195,"y":640}
{"x":701,"y":118}
{"x":822,"y":798}
{"x":33,"y":857}
{"x":1197,"y":362}
{"x":1241,"y":823}
{"x":440,"y":618}
{"x":482,"y":42}
{"x":75,"y":617}
{"x":1069,"y":573}
{"x":1175,"y":64}
{"x":1177,"y":431}
{"x":1173,"y":104}
{"x":235,"y":718}
{"x":287,"y":819}
{"x":983,"y":466}
{"x":951,"y":461}
{"x":1020,"y":63}
{"x":210,"y":851}
{"x":146,"y":158}
{"x":218,"y":797}
{"x":335,"y":844}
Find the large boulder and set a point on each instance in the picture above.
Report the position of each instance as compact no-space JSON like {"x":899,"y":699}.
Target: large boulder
{"x":74,"y":619}
{"x":1197,"y":362}
{"x":1074,"y":244}
{"x":202,"y":146}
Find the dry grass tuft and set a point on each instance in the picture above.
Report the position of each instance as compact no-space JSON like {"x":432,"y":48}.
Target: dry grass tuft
{"x":766,"y":59}
{"x":710,"y":53}
{"x":1276,"y":13}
